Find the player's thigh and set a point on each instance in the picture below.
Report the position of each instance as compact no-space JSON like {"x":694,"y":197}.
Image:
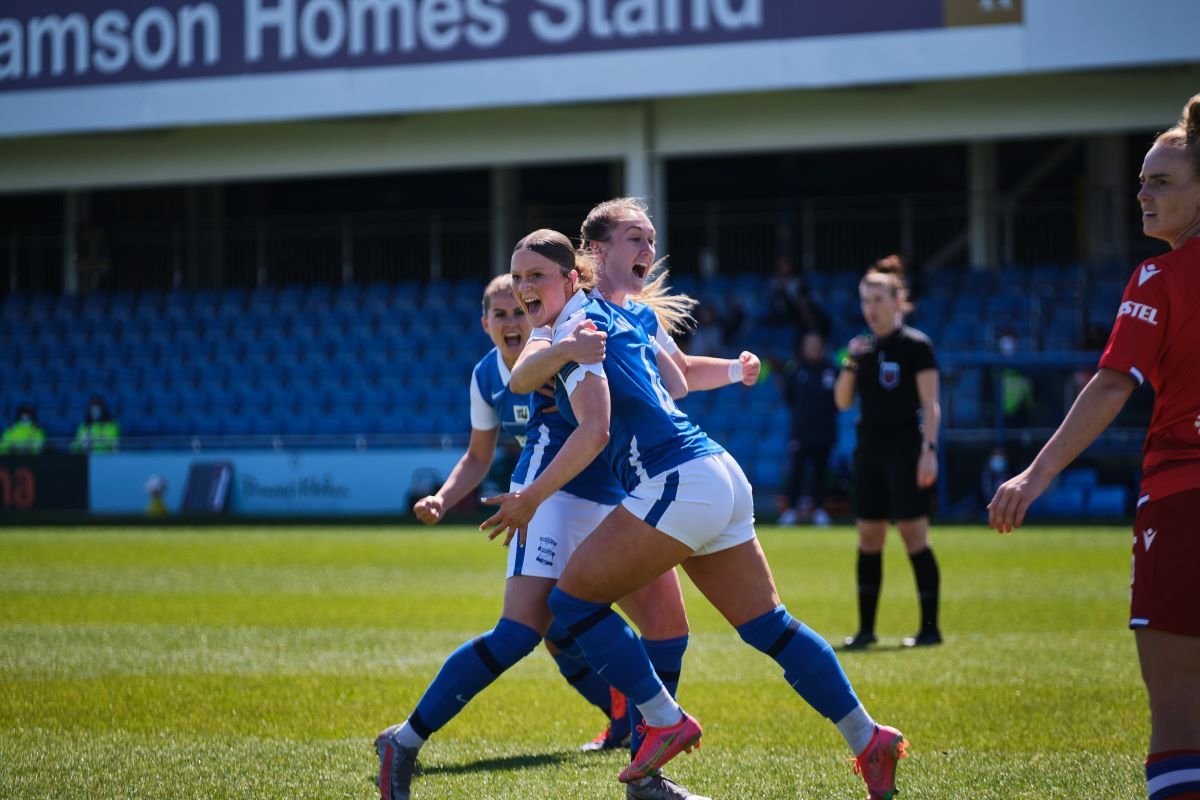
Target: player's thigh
{"x":525,"y":601}
{"x":1168,"y":662}
{"x":737,"y":581}
{"x":621,"y":556}
{"x":657,"y":608}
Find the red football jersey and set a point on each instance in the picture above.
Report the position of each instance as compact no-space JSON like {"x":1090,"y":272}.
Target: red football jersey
{"x":1157,"y":338}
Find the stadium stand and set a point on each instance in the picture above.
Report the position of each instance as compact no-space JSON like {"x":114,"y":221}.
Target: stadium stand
{"x":323,"y":364}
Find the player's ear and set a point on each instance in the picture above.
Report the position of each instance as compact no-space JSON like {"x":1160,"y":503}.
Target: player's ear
{"x":483,"y":323}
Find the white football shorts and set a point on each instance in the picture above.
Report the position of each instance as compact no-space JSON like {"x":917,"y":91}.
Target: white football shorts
{"x":558,"y":526}
{"x":707,"y":504}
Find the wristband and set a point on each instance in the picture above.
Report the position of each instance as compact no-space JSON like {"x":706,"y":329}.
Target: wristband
{"x":929,"y":447}
{"x":850,"y":364}
{"x":737,"y":371}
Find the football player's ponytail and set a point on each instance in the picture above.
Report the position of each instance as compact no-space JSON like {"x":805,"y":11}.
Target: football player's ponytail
{"x":1186,"y":132}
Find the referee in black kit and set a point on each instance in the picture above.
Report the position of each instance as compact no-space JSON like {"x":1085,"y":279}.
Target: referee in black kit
{"x":894,"y":372}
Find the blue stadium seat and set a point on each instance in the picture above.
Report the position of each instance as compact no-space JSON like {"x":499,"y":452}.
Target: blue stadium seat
{"x":1107,"y":501}
{"x":1082,"y":477}
{"x":1062,"y":501}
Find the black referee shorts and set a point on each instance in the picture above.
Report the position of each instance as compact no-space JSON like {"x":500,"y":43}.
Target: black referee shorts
{"x":885,"y":483}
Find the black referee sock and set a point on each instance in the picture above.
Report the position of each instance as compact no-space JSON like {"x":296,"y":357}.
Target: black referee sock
{"x":925,"y":570}
{"x":870,"y":578}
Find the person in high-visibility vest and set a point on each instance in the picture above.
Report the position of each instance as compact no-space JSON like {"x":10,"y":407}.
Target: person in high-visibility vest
{"x":99,"y":432}
{"x":24,"y":435}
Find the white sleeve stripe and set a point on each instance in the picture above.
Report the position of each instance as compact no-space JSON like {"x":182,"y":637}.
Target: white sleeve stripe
{"x":1137,"y":374}
{"x":576,"y":376}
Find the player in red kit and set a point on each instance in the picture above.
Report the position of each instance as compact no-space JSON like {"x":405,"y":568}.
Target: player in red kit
{"x":1156,"y":338}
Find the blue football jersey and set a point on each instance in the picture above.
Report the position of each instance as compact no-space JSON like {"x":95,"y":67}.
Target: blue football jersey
{"x":648,"y":434}
{"x":492,"y":402}
{"x":533,"y":420}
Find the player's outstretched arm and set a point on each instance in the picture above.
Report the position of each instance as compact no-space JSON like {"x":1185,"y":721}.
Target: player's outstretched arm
{"x":466,"y":475}
{"x":1093,"y":411}
{"x":708,"y":372}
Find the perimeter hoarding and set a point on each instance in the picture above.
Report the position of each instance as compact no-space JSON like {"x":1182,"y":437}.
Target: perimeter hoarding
{"x":317,"y":482}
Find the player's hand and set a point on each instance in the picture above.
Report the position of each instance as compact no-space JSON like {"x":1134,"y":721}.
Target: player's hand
{"x":751,"y":367}
{"x":860,"y":345}
{"x":927,"y":469}
{"x":585,"y":345}
{"x":1007,"y":510}
{"x":512,"y":518}
{"x":429,"y":509}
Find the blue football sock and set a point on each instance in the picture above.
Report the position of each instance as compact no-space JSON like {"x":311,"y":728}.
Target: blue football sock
{"x":577,"y":671}
{"x":609,"y":645}
{"x":809,"y":664}
{"x":667,"y":657}
{"x":469,"y":670}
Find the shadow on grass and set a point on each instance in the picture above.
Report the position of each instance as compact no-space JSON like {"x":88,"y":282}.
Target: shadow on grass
{"x":493,"y":764}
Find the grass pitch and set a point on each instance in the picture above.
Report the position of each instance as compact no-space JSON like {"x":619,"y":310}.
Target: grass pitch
{"x":254,"y":663}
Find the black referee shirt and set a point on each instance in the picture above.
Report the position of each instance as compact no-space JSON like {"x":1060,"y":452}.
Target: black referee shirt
{"x":890,"y":407}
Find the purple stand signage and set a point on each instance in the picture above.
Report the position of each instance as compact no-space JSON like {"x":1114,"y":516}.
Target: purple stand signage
{"x":56,"y":43}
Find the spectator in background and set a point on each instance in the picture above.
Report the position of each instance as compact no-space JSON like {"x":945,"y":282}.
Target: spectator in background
{"x":789,"y":302}
{"x":24,"y":435}
{"x":1016,"y":388}
{"x":99,"y":432}
{"x":995,"y":472}
{"x":808,"y":388}
{"x":156,"y":488}
{"x":708,"y":339}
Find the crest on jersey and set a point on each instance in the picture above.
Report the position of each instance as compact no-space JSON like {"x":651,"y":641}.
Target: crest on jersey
{"x":521,"y":413}
{"x":889,"y":374}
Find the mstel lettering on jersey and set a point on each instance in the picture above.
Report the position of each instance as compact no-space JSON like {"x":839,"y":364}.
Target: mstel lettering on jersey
{"x":1139,"y":311}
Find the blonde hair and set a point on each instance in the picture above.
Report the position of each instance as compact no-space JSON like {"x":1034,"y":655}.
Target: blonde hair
{"x":674,"y":311}
{"x":557,"y":248}
{"x":501,"y":284}
{"x":888,"y":272}
{"x":1185,"y":134}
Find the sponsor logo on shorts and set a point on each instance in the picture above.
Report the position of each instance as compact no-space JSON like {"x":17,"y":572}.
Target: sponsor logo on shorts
{"x":1139,"y":311}
{"x":1148,"y":536}
{"x":546,"y":549}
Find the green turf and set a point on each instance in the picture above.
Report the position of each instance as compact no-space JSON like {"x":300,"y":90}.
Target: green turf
{"x":255,"y":663}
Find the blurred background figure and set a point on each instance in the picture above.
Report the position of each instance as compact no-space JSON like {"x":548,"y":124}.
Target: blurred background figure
{"x":790,"y":303}
{"x":995,"y":472}
{"x":99,"y":432}
{"x":708,"y":339}
{"x":156,"y":488}
{"x":24,"y":435}
{"x":807,"y":383}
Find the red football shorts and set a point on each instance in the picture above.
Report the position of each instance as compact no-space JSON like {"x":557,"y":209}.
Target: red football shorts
{"x":1166,"y":565}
